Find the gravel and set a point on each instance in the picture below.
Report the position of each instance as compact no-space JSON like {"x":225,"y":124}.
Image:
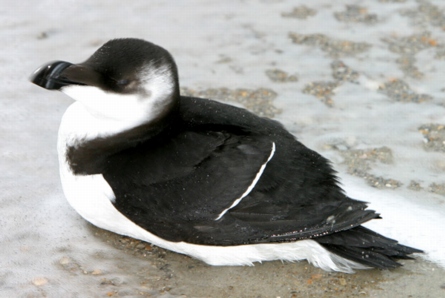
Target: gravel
{"x":300,"y":12}
{"x":433,"y":137}
{"x":342,"y":73}
{"x":259,"y":101}
{"x":277,"y":75}
{"x":323,"y":90}
{"x":359,"y":163}
{"x":425,"y":14}
{"x":356,"y":14}
{"x":333,"y":47}
{"x":399,"y":90}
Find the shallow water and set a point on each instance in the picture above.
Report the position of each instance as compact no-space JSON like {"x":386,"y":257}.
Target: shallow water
{"x":391,"y":58}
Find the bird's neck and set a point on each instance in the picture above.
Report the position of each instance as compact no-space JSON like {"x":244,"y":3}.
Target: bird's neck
{"x":85,"y":142}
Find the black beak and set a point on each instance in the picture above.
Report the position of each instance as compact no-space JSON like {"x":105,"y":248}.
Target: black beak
{"x":50,"y":76}
{"x":55,"y":75}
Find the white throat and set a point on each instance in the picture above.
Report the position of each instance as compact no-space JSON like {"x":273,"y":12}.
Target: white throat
{"x":99,"y":113}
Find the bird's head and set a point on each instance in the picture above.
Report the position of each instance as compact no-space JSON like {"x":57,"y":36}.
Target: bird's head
{"x":124,"y":80}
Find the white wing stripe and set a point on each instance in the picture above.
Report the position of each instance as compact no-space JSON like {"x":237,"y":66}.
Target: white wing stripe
{"x":251,"y":186}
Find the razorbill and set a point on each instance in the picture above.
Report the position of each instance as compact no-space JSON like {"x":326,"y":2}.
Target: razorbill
{"x":196,"y":176}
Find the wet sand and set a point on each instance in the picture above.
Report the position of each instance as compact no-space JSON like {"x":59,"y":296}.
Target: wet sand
{"x":171,"y":274}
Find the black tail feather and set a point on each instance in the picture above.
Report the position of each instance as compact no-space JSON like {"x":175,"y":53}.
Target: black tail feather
{"x":367,"y":247}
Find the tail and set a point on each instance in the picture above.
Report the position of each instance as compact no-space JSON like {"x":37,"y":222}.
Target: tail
{"x":366,"y":247}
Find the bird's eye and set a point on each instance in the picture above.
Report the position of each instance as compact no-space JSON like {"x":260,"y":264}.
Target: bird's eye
{"x":123,"y":82}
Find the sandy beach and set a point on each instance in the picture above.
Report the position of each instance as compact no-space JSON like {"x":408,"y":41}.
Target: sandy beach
{"x":360,"y":82}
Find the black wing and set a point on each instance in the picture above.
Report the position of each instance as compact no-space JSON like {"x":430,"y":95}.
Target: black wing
{"x":176,"y":187}
{"x":171,"y":186}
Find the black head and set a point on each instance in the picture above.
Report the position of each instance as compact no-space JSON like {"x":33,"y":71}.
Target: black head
{"x":121,"y":77}
{"x":122,"y":63}
{"x":120,"y":66}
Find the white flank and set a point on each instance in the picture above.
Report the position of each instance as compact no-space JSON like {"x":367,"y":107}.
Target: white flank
{"x":251,"y":186}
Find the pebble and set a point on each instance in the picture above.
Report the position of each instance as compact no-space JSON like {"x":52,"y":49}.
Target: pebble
{"x":277,"y":75}
{"x":111,"y":281}
{"x":65,"y":260}
{"x":141,"y":246}
{"x":69,"y":264}
{"x":39,"y":281}
{"x":42,"y":35}
{"x":96,"y":272}
{"x":342,"y":281}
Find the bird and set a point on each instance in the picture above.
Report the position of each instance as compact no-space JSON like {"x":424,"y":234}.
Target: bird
{"x":199,"y":177}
